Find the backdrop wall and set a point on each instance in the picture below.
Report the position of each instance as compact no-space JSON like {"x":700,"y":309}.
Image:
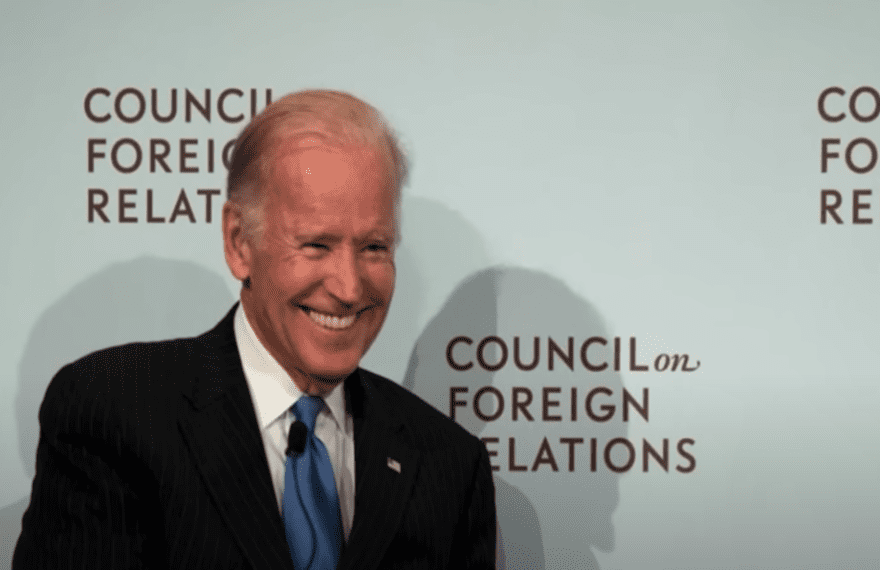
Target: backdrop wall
{"x":628,"y":182}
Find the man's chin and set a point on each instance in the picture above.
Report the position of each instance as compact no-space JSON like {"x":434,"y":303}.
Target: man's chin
{"x":324,"y":383}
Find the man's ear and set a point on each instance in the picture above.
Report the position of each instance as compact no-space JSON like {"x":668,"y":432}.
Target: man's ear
{"x":236,"y":245}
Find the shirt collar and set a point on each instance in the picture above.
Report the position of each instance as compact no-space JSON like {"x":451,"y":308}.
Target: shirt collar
{"x":271,"y":388}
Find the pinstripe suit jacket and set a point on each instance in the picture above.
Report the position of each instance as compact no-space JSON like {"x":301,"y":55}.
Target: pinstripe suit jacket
{"x":150,"y":457}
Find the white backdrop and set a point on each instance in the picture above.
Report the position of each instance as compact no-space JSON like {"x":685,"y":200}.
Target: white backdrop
{"x":621,"y":169}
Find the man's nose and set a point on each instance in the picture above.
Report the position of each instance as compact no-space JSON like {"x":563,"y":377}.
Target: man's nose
{"x":344,"y":277}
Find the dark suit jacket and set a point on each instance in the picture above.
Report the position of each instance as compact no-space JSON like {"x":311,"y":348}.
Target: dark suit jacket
{"x":150,"y":456}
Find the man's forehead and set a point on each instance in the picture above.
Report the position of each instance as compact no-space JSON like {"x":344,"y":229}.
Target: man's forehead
{"x":310,"y":163}
{"x":317,"y":155}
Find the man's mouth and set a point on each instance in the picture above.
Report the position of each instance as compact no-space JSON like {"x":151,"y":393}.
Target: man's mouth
{"x":331,"y":322}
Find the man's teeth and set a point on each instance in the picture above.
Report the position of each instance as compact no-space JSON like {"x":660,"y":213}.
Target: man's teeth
{"x":331,"y":322}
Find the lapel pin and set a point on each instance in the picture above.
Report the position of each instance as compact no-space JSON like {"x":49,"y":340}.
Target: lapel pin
{"x":394,"y":465}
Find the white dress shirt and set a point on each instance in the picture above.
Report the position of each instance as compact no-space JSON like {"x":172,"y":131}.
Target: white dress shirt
{"x":273,"y":393}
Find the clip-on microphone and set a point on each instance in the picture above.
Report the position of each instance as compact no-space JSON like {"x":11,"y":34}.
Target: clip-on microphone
{"x":296,"y":438}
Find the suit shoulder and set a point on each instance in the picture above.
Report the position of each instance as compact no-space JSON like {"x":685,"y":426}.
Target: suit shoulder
{"x":421,"y":417}
{"x":133,"y":356}
{"x":128,"y":372}
{"x":137,"y":358}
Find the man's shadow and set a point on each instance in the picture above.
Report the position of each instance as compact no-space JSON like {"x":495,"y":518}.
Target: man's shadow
{"x":144,"y":299}
{"x":575,"y":508}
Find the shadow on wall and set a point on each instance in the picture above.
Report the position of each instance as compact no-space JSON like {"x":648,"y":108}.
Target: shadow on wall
{"x":140,"y":300}
{"x":574,"y":508}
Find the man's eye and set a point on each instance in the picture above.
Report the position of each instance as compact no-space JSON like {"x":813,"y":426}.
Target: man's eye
{"x":377,"y":247}
{"x":315,"y":245}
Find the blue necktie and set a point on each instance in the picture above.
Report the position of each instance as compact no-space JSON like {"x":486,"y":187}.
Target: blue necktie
{"x":311,"y":506}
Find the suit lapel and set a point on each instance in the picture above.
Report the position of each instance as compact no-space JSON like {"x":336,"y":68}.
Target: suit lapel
{"x":221,"y":430}
{"x":382,"y":491}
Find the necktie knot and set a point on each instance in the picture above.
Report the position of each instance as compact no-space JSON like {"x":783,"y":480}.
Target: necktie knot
{"x":306,"y":410}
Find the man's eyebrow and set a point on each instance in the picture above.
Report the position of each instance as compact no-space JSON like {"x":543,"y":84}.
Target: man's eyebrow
{"x":317,"y":236}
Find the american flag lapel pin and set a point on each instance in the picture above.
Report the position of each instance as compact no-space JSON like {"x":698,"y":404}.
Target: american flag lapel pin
{"x":394,"y":465}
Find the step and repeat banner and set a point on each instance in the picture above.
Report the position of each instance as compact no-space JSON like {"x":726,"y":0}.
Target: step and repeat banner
{"x":640,"y":252}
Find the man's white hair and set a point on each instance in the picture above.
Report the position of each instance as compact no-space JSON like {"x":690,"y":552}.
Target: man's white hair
{"x":332,"y":118}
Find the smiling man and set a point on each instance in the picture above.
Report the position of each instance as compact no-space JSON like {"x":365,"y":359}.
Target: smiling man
{"x":261,"y":444}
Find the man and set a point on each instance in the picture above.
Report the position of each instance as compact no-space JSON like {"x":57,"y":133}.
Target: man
{"x":261,"y":444}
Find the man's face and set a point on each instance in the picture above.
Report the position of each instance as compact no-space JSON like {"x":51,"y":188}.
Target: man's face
{"x":322,"y":273}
